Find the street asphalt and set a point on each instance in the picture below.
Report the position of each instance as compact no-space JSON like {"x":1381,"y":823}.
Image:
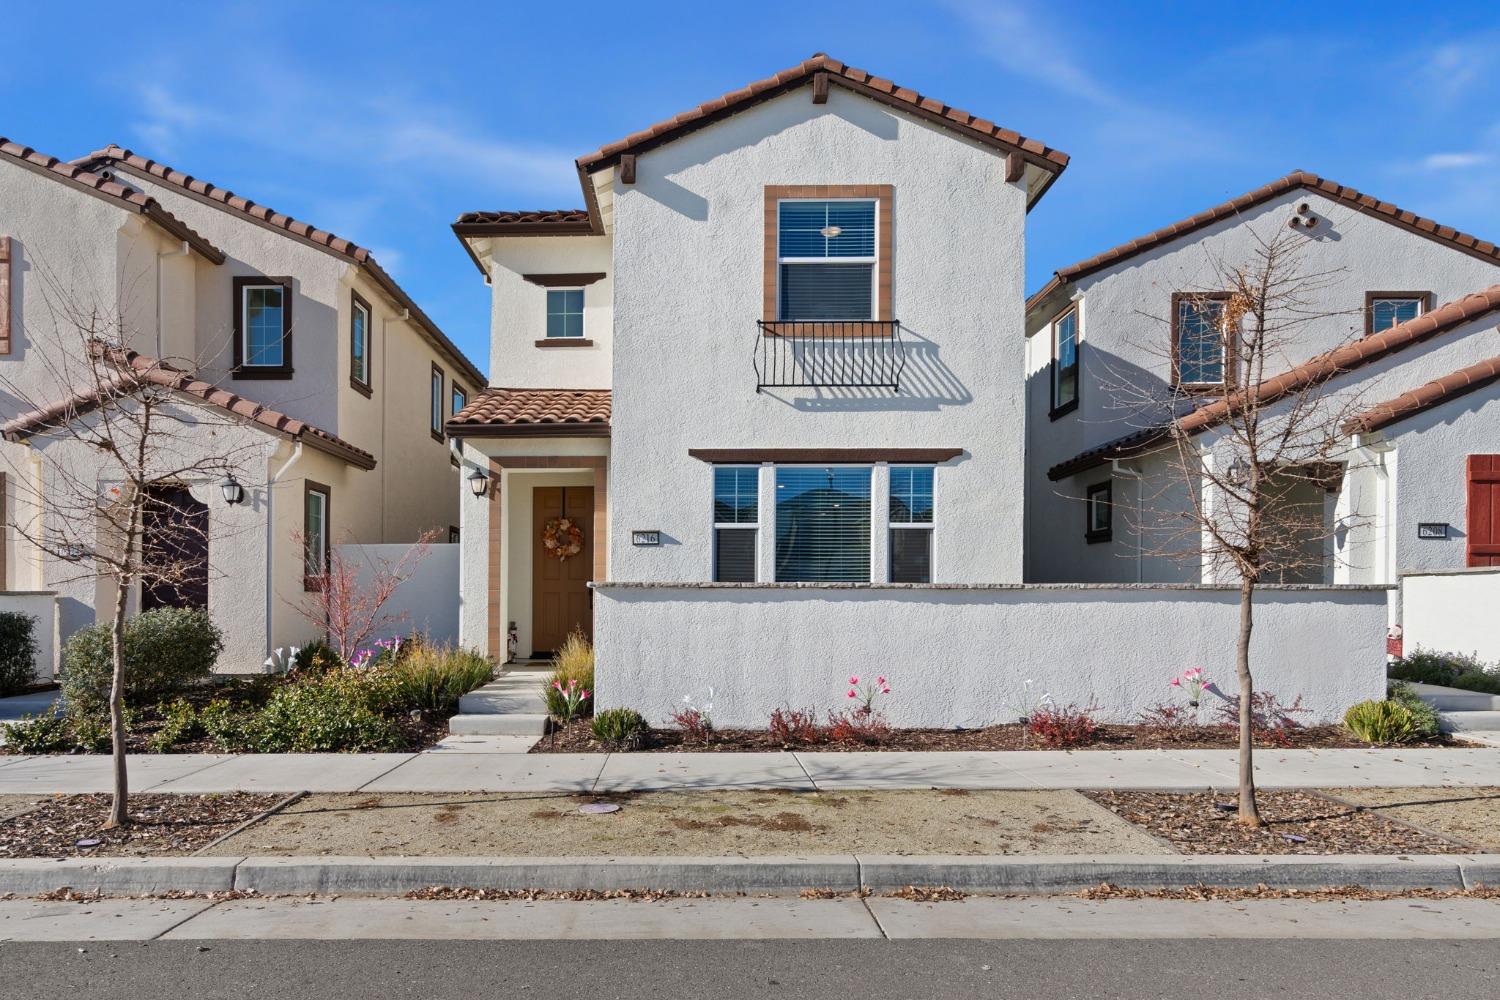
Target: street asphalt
{"x":785,"y":970}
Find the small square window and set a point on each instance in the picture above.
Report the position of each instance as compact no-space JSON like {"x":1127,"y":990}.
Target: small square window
{"x":1099,"y":513}
{"x":564,"y":312}
{"x":1384,"y":310}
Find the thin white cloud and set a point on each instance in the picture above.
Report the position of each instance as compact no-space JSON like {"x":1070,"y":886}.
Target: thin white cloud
{"x":1455,"y":161}
{"x":1020,"y":43}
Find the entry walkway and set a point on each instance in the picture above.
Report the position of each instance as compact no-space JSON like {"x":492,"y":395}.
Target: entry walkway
{"x":456,"y":771}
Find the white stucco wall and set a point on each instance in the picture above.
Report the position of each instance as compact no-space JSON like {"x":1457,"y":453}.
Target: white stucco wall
{"x":518,"y":317}
{"x":426,"y":602}
{"x":1452,"y":612}
{"x":962,"y":656}
{"x":42,"y":607}
{"x":689,"y":245}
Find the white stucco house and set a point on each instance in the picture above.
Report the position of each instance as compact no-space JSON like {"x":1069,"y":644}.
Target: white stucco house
{"x":1403,"y":337}
{"x":315,"y":369}
{"x":766,"y":395}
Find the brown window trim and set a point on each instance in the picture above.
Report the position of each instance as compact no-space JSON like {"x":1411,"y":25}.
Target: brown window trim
{"x":1427,"y":303}
{"x":1072,"y":404}
{"x":1091,"y":535}
{"x":454,"y":535}
{"x":883,"y":194}
{"x":365,"y":388}
{"x":824,"y":456}
{"x":283,"y":370}
{"x":437,"y":403}
{"x":565,"y":342}
{"x":564,"y":280}
{"x":1231,"y":356}
{"x":315,"y":583}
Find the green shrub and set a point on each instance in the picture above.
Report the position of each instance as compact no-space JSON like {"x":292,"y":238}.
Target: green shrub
{"x":316,"y":658}
{"x":1426,"y":666}
{"x":166,"y":650}
{"x":179,"y":724}
{"x":233,"y":728}
{"x":47,"y":733}
{"x":320,"y":718}
{"x":433,"y":678}
{"x":17,"y":652}
{"x":620,"y":728}
{"x":1486,"y":681}
{"x":1424,"y":715}
{"x":1382,"y":722}
{"x":574,"y":661}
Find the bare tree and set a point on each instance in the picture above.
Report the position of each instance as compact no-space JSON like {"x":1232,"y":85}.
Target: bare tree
{"x":348,"y":605}
{"x":123,"y":438}
{"x":1250,"y":431}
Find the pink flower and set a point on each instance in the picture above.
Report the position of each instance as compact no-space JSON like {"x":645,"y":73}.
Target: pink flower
{"x":853,"y":681}
{"x":584,"y":695}
{"x":880,"y":681}
{"x":853,"y":693}
{"x":885,"y":690}
{"x":1176,"y":682}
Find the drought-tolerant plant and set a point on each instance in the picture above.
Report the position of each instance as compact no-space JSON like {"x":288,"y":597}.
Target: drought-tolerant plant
{"x":866,"y":692}
{"x":1192,"y":683}
{"x":1423,"y":714}
{"x":232,"y":728}
{"x":315,"y":658}
{"x":1058,"y":727}
{"x":620,"y":728}
{"x":46,"y":733}
{"x":1270,"y":720}
{"x":695,"y":721}
{"x":573,"y":661}
{"x":572,"y":696}
{"x":1382,"y":722}
{"x":1459,"y":670}
{"x":179,"y":724}
{"x":347,"y":602}
{"x":858,"y":726}
{"x":166,"y":650}
{"x":17,"y":652}
{"x":795,"y":726}
{"x":1173,"y":718}
{"x":432,"y":678}
{"x":320,"y":718}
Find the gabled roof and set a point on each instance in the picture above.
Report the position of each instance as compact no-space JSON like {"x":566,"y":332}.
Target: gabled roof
{"x":118,"y":157}
{"x":1296,"y":180}
{"x":137,"y":370}
{"x":534,"y":413}
{"x":111,"y":191}
{"x":1425,"y":397}
{"x":1315,"y":371}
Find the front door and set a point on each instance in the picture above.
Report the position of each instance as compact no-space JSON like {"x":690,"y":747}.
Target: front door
{"x":174,"y":543}
{"x":560,"y":597}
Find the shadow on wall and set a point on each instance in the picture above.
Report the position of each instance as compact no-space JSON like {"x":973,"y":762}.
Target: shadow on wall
{"x":927,"y":384}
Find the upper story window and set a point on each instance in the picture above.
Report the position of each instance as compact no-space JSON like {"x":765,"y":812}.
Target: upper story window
{"x":823,"y":524}
{"x":736,"y":522}
{"x":564,"y":313}
{"x":460,"y":399}
{"x":911,"y":524}
{"x":263,"y":327}
{"x":436,"y":423}
{"x":359,"y":344}
{"x":1198,"y":339}
{"x":1384,"y":310}
{"x":826,"y":259}
{"x":1065,"y":362}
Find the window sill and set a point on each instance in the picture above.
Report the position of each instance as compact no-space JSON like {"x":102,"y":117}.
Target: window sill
{"x":565,"y":342}
{"x":1094,"y":537}
{"x":1063,"y":410}
{"x":360,"y":387}
{"x":258,"y":372}
{"x":437,"y":436}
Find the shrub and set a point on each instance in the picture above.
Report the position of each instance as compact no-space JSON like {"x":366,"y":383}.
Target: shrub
{"x":47,"y":733}
{"x":17,"y":652}
{"x":795,"y":727}
{"x":316,"y":658}
{"x":1460,"y":670}
{"x":1382,"y":722}
{"x":573,"y":662}
{"x":858,"y":726}
{"x":179,"y":724}
{"x":1057,"y":727}
{"x":166,"y":650}
{"x":620,"y":728}
{"x":695,"y":724}
{"x":320,"y":718}
{"x":433,"y":678}
{"x":1423,"y":715}
{"x":232,"y":728}
{"x":1170,"y":717}
{"x":1270,"y":720}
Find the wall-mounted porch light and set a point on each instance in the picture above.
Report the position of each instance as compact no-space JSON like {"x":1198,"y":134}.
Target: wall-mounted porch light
{"x":233,"y":492}
{"x":479,"y":483}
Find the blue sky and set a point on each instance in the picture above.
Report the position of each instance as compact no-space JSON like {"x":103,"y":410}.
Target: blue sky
{"x":382,"y":122}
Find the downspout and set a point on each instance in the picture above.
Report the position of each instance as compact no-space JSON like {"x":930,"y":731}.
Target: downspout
{"x":271,"y":539}
{"x":1116,"y":469}
{"x":182,"y":251}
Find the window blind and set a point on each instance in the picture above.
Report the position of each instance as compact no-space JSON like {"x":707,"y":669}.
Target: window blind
{"x":1200,"y":344}
{"x":826,"y":251}
{"x":822,"y":524}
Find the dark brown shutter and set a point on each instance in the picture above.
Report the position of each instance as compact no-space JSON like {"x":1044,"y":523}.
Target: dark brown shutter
{"x":1484,"y":510}
{"x":4,"y":294}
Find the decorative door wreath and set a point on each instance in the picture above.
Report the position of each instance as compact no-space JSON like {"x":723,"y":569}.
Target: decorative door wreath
{"x":562,"y":538}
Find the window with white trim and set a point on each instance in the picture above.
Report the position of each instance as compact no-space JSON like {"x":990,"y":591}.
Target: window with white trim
{"x":911,"y":524}
{"x":564,"y":313}
{"x":736,"y":522}
{"x":822,"y":524}
{"x":826,"y":259}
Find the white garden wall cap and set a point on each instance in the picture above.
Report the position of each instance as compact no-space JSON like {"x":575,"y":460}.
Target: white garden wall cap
{"x":115,"y":156}
{"x":1297,"y":179}
{"x":981,"y":587}
{"x":137,"y":370}
{"x":127,"y":198}
{"x":1455,"y":571}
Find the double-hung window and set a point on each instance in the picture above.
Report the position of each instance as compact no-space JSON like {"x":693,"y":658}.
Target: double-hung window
{"x":822,"y":524}
{"x":262,"y":327}
{"x":316,"y":544}
{"x":359,"y":344}
{"x":564,"y":313}
{"x":826,"y":259}
{"x":436,"y":422}
{"x":736,"y":522}
{"x":1384,"y":310}
{"x":1199,"y":358}
{"x":911,"y":524}
{"x":1065,"y":362}
{"x":1099,"y":509}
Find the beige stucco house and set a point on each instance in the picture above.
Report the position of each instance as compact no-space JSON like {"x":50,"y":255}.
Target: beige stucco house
{"x":332,"y":384}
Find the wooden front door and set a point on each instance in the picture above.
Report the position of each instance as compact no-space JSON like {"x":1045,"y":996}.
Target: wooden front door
{"x":1484,"y":510}
{"x":174,"y":540}
{"x":560,"y":597}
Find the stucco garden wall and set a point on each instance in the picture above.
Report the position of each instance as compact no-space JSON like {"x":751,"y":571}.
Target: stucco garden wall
{"x":962,"y":655}
{"x":41,"y":605}
{"x":1452,"y":612}
{"x":427,"y":601}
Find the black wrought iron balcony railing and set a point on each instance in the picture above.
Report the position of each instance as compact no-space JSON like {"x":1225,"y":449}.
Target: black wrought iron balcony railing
{"x":829,"y":354}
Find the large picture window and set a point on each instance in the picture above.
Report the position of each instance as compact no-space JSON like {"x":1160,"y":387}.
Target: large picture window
{"x":262,"y":327}
{"x":736,"y":522}
{"x":826,"y":256}
{"x":911,"y":524}
{"x":823,"y":524}
{"x":1065,"y":363}
{"x":1199,"y":339}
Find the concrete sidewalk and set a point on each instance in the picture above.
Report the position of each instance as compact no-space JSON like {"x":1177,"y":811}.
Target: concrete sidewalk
{"x":454,"y":771}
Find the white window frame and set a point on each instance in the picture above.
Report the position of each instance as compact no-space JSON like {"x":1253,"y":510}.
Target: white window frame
{"x":281,"y":332}
{"x":582,"y":314}
{"x":713,"y":556}
{"x":873,"y":259}
{"x":890,"y":540}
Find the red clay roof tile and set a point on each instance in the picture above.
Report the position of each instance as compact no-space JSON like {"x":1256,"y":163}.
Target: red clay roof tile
{"x":1425,"y":397}
{"x":520,"y":412}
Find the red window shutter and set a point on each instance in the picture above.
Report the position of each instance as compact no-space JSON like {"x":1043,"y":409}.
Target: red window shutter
{"x":1484,"y":510}
{"x":4,"y":294}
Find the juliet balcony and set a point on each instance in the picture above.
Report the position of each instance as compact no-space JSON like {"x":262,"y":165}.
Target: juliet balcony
{"x":829,"y":354}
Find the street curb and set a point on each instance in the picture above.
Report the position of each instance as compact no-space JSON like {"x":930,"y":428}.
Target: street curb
{"x":1020,"y":874}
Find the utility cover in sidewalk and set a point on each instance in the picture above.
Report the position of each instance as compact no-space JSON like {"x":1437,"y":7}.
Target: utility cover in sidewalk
{"x":599,"y":808}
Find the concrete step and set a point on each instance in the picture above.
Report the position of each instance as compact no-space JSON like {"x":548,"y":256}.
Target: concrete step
{"x":491,"y":700}
{"x":1462,"y":722}
{"x":1446,"y":699}
{"x":517,"y":724}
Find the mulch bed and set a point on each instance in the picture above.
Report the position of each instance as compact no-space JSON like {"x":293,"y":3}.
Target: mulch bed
{"x":1296,"y":823}
{"x":577,"y":738}
{"x":72,"y":826}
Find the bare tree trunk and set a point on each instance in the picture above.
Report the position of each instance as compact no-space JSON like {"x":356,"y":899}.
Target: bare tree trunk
{"x":1249,"y":811}
{"x":119,"y":814}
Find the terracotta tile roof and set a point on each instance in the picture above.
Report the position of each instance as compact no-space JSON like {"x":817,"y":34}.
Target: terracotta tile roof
{"x":534,"y":412}
{"x":1315,"y":371}
{"x":135,"y":201}
{"x":137,"y":369}
{"x":1297,"y":179}
{"x":1425,"y":397}
{"x":541,"y":216}
{"x":114,"y":156}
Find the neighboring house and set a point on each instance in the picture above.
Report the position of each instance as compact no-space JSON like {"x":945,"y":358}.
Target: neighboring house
{"x":1110,"y":337}
{"x":327,"y":373}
